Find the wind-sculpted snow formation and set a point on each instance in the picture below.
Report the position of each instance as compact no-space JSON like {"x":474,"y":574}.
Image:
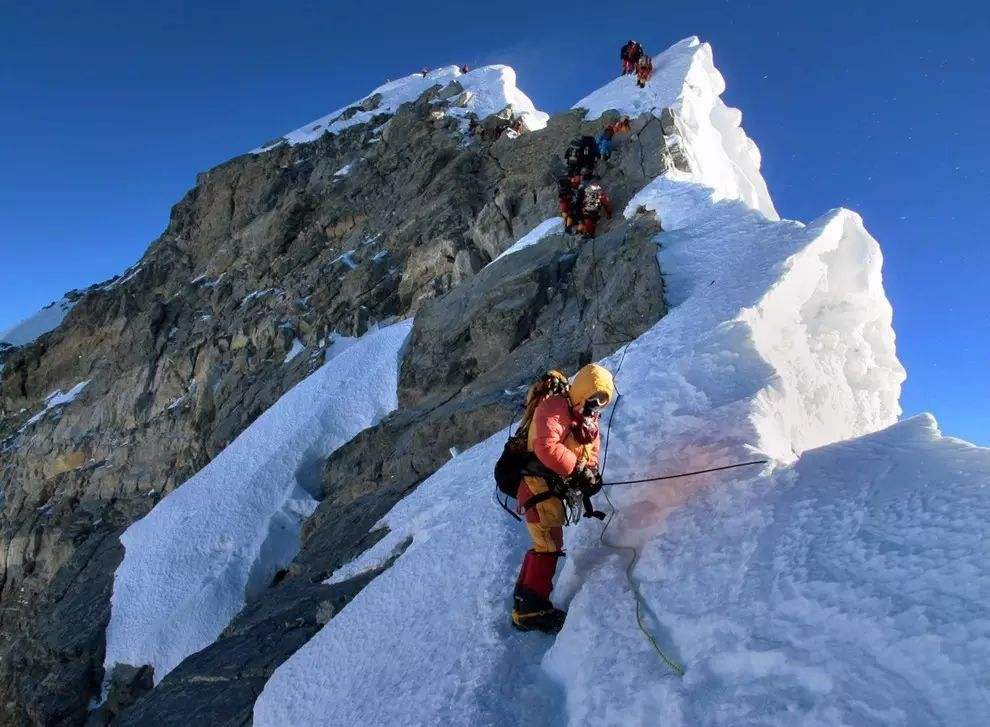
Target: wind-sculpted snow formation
{"x":209,"y":546}
{"x":708,"y":132}
{"x":825,"y":587}
{"x":482,"y":92}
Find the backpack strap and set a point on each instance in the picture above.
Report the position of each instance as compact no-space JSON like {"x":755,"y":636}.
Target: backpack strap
{"x":505,"y":505}
{"x":537,"y":499}
{"x":555,"y":483}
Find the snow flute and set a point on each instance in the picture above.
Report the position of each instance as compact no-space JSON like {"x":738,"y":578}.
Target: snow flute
{"x":684,"y":474}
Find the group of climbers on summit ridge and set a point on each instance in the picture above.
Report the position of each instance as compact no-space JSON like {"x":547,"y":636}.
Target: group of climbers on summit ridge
{"x":636,"y":60}
{"x":581,"y":199}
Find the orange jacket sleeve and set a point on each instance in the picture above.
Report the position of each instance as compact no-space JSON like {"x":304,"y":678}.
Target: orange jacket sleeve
{"x":552,"y":425}
{"x":607,"y":205}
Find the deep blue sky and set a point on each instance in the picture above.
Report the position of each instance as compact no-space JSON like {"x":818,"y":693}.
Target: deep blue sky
{"x":108,"y":110}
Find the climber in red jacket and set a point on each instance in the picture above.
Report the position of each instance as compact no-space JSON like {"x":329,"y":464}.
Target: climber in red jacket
{"x":644,"y":69}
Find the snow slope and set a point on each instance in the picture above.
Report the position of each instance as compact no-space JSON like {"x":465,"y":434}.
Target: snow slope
{"x":487,"y":90}
{"x":56,"y":399}
{"x":686,"y":81}
{"x":551,"y":226}
{"x":847,"y":589}
{"x":206,"y":548}
{"x":822,"y":588}
{"x":31,"y":328}
{"x":697,"y":392}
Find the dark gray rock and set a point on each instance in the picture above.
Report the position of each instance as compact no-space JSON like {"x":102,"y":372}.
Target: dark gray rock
{"x":219,"y":685}
{"x":127,"y":684}
{"x":57,"y":665}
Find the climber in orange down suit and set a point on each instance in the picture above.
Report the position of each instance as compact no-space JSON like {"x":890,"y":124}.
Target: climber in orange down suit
{"x":564,"y":437}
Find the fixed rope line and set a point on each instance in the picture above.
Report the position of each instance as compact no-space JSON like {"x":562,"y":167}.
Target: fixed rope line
{"x":633,"y":586}
{"x":684,"y":474}
{"x":637,"y":596}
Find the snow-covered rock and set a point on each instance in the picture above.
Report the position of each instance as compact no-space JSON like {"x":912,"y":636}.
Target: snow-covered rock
{"x":210,"y":545}
{"x":686,"y":81}
{"x":551,"y":226}
{"x":57,"y":399}
{"x":45,"y":320}
{"x":297,"y":348}
{"x":486,"y":90}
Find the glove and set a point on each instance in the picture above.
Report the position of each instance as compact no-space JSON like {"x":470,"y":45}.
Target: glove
{"x":587,"y":480}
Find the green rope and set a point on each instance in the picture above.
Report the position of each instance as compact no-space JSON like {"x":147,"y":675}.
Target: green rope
{"x":637,"y":596}
{"x":671,"y":664}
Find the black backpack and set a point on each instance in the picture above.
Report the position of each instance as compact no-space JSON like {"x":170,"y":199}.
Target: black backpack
{"x":516,"y":460}
{"x":589,"y":148}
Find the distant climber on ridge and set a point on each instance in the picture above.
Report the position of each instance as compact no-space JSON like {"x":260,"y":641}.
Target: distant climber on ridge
{"x":644,"y":69}
{"x":560,"y":431}
{"x":604,"y":138}
{"x":629,"y":54}
{"x":590,"y":203}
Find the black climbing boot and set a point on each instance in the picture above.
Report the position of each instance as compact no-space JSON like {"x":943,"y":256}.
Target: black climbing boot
{"x":549,"y":621}
{"x":532,"y":612}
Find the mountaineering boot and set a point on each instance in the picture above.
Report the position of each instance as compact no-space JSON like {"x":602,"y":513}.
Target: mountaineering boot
{"x":549,"y":621}
{"x":531,"y":610}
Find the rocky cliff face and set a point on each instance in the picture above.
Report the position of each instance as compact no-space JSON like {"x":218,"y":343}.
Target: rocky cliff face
{"x":263,"y":262}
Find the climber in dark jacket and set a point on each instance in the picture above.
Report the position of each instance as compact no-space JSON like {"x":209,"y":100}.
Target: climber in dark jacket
{"x":582,"y":153}
{"x":629,"y":54}
{"x":566,"y":191}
